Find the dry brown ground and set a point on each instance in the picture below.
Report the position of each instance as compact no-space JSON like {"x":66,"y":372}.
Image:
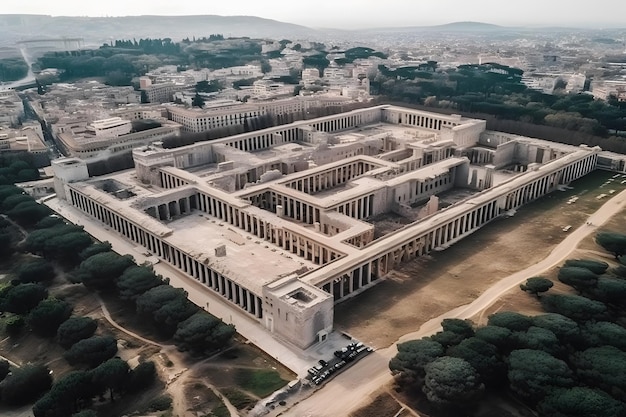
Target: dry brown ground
{"x":429,"y":286}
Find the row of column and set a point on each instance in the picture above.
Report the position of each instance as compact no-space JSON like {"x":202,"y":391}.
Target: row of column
{"x":359,"y":278}
{"x":222,"y":285}
{"x":296,"y":209}
{"x":167,"y":211}
{"x":170,"y":181}
{"x":304,"y":247}
{"x":421,"y":121}
{"x":227,"y":288}
{"x":338,"y":124}
{"x":360,"y":208}
{"x":456,"y":229}
{"x":264,"y":141}
{"x":330,"y":178}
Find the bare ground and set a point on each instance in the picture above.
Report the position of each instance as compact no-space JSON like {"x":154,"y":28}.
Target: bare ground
{"x":429,"y":286}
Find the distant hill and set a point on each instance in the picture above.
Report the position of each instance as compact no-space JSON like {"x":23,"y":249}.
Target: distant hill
{"x":474,"y":27}
{"x":466,"y":27}
{"x":101,"y":29}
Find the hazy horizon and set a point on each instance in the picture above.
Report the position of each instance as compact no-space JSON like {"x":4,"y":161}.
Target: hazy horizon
{"x":350,"y":14}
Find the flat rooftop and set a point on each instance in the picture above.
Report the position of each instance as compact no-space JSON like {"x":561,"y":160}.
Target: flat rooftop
{"x":249,"y":260}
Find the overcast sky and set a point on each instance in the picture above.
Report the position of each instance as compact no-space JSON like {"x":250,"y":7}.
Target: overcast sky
{"x":351,"y":13}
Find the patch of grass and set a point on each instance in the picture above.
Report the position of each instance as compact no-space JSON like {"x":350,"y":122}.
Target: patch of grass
{"x":238,"y":399}
{"x":260,"y":382}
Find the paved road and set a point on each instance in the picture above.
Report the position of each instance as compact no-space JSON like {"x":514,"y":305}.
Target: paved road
{"x":350,"y":389}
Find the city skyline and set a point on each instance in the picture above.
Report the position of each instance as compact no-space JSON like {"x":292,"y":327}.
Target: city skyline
{"x":350,"y":14}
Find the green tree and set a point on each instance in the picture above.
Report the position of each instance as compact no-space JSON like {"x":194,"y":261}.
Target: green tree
{"x":67,"y":395}
{"x":94,"y":249}
{"x":581,"y":279}
{"x":603,"y":367}
{"x":564,"y":328}
{"x":25,"y":384}
{"x":135,"y":281}
{"x":510,"y":320}
{"x":66,"y":248}
{"x":537,"y":338}
{"x":610,"y":290}
{"x":92,"y":351}
{"x":536,"y":285}
{"x":102,"y":269}
{"x":22,"y":298}
{"x":452,"y":383}
{"x":580,"y":402}
{"x":11,"y":201}
{"x":142,"y":376}
{"x":113,"y":375}
{"x":203,"y":332}
{"x":597,"y":267}
{"x":498,"y":336}
{"x":36,"y":241}
{"x":612,"y":242}
{"x":28,"y":213}
{"x":483,"y":357}
{"x":48,"y":315}
{"x":75,"y":329}
{"x":574,"y":306}
{"x":413,"y":356}
{"x":534,"y":373}
{"x":603,"y":333}
{"x":35,"y":270}
{"x":49,"y":221}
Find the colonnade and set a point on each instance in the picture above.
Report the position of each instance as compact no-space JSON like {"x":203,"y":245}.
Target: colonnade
{"x":360,"y":208}
{"x":289,"y":240}
{"x":350,"y":121}
{"x":169,"y":181}
{"x":237,"y":294}
{"x":330,"y":178}
{"x":343,"y":279}
{"x":167,"y":211}
{"x":259,"y":141}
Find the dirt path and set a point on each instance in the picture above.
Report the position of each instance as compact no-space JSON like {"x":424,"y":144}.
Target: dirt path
{"x":178,"y":374}
{"x":348,"y":390}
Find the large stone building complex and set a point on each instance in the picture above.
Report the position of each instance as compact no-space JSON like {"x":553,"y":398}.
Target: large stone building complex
{"x":285,"y":222}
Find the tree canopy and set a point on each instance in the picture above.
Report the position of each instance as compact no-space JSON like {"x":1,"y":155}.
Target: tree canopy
{"x":612,"y":242}
{"x":102,"y":269}
{"x":48,"y":315}
{"x":135,"y":281}
{"x":452,"y":382}
{"x":533,"y":373}
{"x":75,"y":329}
{"x":536,"y":285}
{"x":25,"y":384}
{"x":92,"y":351}
{"x":413,"y":356}
{"x":203,"y":332}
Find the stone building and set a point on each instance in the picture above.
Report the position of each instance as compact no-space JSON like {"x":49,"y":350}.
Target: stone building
{"x":285,"y":222}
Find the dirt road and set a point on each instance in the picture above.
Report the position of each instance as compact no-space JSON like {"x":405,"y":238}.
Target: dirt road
{"x":350,"y":389}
